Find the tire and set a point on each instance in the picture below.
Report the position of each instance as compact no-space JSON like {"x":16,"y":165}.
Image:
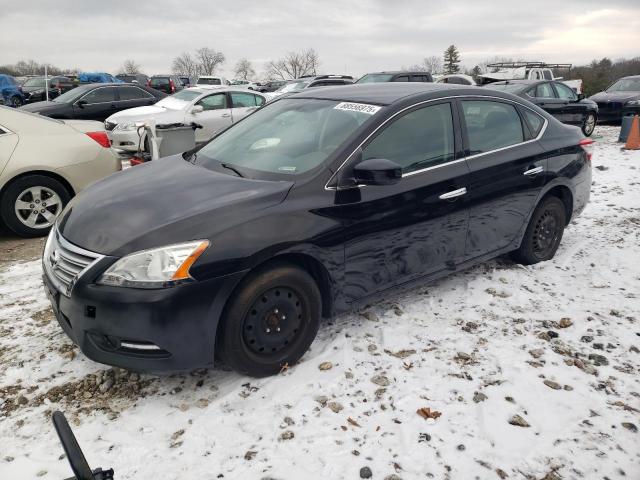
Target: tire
{"x":544,"y":232}
{"x":16,"y":102}
{"x":43,"y":199}
{"x":589,"y":124}
{"x":280,"y":297}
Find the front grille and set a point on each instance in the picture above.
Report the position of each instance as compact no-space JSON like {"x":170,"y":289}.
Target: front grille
{"x":64,"y":262}
{"x":109,"y":125}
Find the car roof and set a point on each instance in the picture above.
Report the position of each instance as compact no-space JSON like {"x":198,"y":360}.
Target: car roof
{"x":388,"y":92}
{"x":397,"y":72}
{"x":220,"y":88}
{"x":630,"y":76}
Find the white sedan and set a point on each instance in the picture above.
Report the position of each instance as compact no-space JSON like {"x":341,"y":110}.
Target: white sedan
{"x":43,"y":163}
{"x":214,"y":108}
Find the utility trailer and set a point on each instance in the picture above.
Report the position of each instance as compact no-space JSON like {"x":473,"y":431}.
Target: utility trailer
{"x":527,"y":71}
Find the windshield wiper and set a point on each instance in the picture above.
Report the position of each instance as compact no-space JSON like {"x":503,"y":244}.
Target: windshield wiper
{"x":224,"y":165}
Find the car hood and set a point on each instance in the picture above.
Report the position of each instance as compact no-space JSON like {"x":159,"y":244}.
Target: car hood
{"x":145,"y":113}
{"x":163,"y":202}
{"x":44,"y":106}
{"x":615,"y":96}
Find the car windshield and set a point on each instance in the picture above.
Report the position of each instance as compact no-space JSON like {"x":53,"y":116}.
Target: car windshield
{"x":285,"y":138}
{"x":209,"y":81}
{"x":376,"y":78}
{"x":179,"y":100}
{"x":293,"y":87}
{"x":34,"y":82}
{"x":71,"y":95}
{"x":506,"y":87}
{"x":625,"y":85}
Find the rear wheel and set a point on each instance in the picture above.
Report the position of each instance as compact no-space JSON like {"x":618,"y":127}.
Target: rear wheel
{"x":271,"y":321}
{"x":31,"y":204}
{"x":589,"y":124}
{"x":544,"y":232}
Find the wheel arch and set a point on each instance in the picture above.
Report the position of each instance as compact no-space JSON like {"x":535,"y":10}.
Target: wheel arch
{"x":565,"y":194}
{"x":45,"y":173}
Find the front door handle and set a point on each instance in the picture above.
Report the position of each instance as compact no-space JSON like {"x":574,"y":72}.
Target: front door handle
{"x":453,"y":194}
{"x":533,"y":171}
{"x":225,"y":115}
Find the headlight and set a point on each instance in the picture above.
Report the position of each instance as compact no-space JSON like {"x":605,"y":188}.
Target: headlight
{"x":127,"y":127}
{"x":155,"y":268}
{"x":633,"y":103}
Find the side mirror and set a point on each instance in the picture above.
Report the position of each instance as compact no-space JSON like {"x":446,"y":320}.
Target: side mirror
{"x":82,"y":103}
{"x":377,"y":171}
{"x":197,"y":109}
{"x":581,"y":96}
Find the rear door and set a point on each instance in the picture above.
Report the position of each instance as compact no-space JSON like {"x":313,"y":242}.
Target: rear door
{"x":547,"y":99}
{"x":399,"y":233}
{"x":8,"y":142}
{"x":131,"y":96}
{"x":215,"y":116}
{"x":96,"y":104}
{"x":242,"y":104}
{"x":507,"y":173}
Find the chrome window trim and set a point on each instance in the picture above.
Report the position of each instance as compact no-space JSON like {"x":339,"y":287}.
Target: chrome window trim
{"x":5,"y":131}
{"x":453,"y":97}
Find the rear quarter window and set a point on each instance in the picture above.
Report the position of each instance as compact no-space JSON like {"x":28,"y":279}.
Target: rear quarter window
{"x":534,"y":121}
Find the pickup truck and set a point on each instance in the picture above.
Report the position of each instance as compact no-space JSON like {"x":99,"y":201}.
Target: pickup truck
{"x":527,"y":71}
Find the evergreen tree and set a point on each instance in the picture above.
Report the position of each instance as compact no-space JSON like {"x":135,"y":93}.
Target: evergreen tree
{"x":475,"y":71}
{"x":451,"y":60}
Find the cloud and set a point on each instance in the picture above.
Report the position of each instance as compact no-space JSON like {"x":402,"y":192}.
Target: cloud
{"x":351,"y":37}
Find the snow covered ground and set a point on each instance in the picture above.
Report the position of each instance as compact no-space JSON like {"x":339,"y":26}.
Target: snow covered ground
{"x":555,"y":344}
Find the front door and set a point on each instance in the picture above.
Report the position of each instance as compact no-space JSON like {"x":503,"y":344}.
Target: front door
{"x":507,"y":173}
{"x":573,"y":110}
{"x":97,"y":104}
{"x":397,"y":233}
{"x":215,"y":116}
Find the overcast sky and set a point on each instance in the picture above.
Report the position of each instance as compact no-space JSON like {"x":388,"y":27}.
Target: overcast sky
{"x":352,"y":37}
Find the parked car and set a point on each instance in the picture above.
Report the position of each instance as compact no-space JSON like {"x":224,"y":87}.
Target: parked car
{"x":557,"y":99}
{"x":168,"y":84}
{"x":457,"y":79}
{"x":299,"y":84}
{"x":211,"y":80}
{"x":45,"y":162}
{"x":139,"y":78}
{"x":527,"y":71}
{"x":10,"y":91}
{"x":96,"y":101}
{"x":399,"y":76}
{"x":213,"y":108}
{"x":97,"y":77}
{"x":621,"y":98}
{"x":245,"y":84}
{"x":313,"y":205}
{"x":187,"y":81}
{"x":34,"y":88}
{"x":271,"y":86}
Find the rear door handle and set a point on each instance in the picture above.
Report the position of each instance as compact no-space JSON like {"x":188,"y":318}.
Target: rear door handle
{"x":533,"y":171}
{"x":453,"y":194}
{"x":225,"y":115}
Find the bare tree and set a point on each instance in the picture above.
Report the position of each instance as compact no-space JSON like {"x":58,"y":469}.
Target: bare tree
{"x":244,"y":69}
{"x":208,"y":60}
{"x":185,"y":64}
{"x":429,"y":64}
{"x":294,"y":65}
{"x":130,"y":67}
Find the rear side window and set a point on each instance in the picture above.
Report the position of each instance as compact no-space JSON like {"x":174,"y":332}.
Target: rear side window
{"x":402,"y":78}
{"x":243,"y":100}
{"x":534,"y":120}
{"x":491,"y":125}
{"x":547,"y":75}
{"x":132,"y":93}
{"x":420,"y":139}
{"x":157,"y":82}
{"x":545,"y":90}
{"x":100,"y":95}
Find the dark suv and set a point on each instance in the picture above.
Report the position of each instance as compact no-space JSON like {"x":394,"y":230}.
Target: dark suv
{"x":380,"y":77}
{"x":34,"y":88}
{"x":166,"y":83}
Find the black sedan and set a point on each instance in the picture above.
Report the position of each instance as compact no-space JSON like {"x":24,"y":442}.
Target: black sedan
{"x":34,"y":89}
{"x":619,"y":99}
{"x":307,"y":208}
{"x":96,"y":101}
{"x":556,"y":98}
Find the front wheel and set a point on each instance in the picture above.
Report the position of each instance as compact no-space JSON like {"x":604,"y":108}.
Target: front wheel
{"x":589,"y":124}
{"x":544,"y":232}
{"x":270,"y":322}
{"x":31,"y":204}
{"x":16,"y":102}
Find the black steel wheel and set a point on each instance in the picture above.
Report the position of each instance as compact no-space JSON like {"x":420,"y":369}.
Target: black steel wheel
{"x":270,"y":321}
{"x":544,"y":232}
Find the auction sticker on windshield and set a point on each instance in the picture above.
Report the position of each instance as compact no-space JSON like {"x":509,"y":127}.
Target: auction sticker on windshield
{"x":357,"y":107}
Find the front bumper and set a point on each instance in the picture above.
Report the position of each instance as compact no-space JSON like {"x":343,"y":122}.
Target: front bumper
{"x":125,"y":140}
{"x":168,"y":329}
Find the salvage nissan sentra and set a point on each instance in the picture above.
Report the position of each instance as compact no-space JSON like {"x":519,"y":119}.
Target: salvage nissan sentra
{"x":309,"y":207}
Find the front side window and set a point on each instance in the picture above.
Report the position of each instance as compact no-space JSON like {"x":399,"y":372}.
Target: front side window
{"x":420,"y":139}
{"x":565,"y":92}
{"x":285,"y":138}
{"x":545,"y":90}
{"x":100,"y":95}
{"x":132,"y":93}
{"x":214,"y":102}
{"x":491,"y":125}
{"x":401,"y":78}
